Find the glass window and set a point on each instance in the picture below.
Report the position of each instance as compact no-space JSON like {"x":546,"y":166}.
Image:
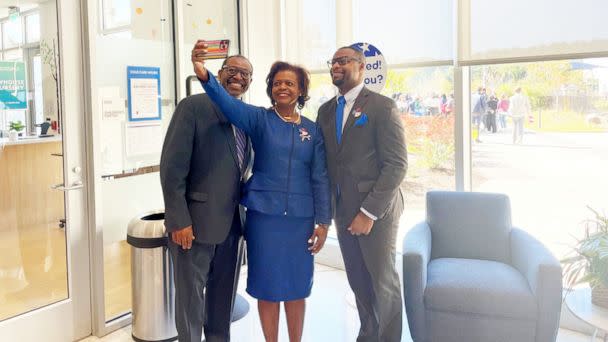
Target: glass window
{"x":424,"y":98}
{"x":321,"y":89}
{"x":504,"y":29}
{"x":405,"y":30}
{"x":13,"y":55}
{"x":116,"y":13}
{"x":316,"y":33}
{"x":32,"y":28}
{"x":545,"y":146}
{"x":12,"y":33}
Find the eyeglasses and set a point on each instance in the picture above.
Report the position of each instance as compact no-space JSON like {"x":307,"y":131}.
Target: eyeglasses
{"x":341,"y":61}
{"x":232,"y":71}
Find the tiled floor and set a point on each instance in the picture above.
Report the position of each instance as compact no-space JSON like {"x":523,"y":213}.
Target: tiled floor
{"x":330,"y":316}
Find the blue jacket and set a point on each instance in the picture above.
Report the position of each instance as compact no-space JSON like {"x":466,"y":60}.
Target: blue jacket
{"x":289,"y":170}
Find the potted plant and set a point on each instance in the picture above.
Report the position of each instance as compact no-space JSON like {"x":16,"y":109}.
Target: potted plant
{"x":589,"y":264}
{"x":16,"y":126}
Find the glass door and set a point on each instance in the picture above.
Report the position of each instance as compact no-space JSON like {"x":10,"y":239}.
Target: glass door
{"x":132,"y":43}
{"x":44,"y":253}
{"x":132,"y":90}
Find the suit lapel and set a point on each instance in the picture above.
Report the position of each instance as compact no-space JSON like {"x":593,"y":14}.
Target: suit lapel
{"x":229,"y":134}
{"x":333,"y":139}
{"x":360,"y":102}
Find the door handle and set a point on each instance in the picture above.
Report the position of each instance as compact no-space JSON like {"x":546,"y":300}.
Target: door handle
{"x":76,"y":185}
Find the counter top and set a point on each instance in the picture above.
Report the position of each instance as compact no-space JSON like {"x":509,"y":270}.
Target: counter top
{"x":30,"y":140}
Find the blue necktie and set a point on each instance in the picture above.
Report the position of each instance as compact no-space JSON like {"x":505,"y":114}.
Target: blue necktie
{"x":339,"y":115}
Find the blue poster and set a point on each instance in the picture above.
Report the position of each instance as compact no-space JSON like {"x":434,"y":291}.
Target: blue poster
{"x":13,"y":85}
{"x":143,"y":84}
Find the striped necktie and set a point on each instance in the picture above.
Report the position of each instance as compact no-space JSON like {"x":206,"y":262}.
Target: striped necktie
{"x":241,"y":142}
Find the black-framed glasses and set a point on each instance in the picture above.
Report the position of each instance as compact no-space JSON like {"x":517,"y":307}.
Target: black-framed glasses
{"x":341,"y":61}
{"x":232,"y":71}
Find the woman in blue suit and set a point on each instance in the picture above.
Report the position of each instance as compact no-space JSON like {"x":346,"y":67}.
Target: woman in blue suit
{"x":286,"y":196}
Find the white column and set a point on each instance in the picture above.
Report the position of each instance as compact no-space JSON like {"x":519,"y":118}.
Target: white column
{"x":344,"y":22}
{"x":462,"y":91}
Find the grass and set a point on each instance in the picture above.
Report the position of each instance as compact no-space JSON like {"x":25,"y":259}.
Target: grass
{"x":553,"y":121}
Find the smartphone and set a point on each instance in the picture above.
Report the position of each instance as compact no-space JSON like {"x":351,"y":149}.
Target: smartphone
{"x":217,"y":49}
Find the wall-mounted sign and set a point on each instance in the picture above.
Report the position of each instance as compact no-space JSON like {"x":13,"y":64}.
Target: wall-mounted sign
{"x":13,"y":85}
{"x":143,"y":84}
{"x":375,"y":66}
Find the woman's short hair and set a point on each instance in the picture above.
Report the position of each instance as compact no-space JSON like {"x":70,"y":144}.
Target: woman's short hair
{"x":301,"y":74}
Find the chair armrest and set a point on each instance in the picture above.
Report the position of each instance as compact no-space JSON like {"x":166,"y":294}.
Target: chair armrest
{"x":544,"y":275}
{"x":416,"y":256}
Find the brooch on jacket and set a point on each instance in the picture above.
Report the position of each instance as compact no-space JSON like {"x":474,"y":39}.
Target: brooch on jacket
{"x":304,"y":135}
{"x":361,"y":119}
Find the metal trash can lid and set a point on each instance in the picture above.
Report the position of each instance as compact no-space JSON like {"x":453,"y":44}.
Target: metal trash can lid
{"x":147,"y":230}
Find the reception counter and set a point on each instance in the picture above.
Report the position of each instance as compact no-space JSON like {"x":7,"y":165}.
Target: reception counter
{"x":30,"y":140}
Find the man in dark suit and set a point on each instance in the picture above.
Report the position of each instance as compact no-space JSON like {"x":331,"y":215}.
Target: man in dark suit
{"x":202,"y":167}
{"x":367,"y":161}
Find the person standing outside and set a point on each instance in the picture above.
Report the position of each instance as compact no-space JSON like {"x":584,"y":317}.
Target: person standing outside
{"x":491,"y":114}
{"x":450,"y":105}
{"x":202,"y":166}
{"x":367,"y":162}
{"x":520,"y":109}
{"x":480,"y":106}
{"x":503,"y":111}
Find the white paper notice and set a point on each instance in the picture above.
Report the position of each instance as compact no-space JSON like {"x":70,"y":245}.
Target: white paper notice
{"x":113,"y":108}
{"x":111,"y":127}
{"x":144,"y":98}
{"x":112,"y":146}
{"x":143,"y":140}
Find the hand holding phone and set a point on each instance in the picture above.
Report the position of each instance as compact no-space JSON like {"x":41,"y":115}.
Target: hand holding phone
{"x":217,"y":49}
{"x":205,"y":50}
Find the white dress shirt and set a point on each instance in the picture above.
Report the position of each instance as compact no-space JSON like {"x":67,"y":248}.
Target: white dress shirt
{"x":350,"y":98}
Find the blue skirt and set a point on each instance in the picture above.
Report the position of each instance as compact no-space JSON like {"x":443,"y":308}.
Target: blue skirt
{"x":280,"y":266}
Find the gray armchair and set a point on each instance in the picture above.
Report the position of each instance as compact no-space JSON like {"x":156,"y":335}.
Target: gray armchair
{"x":469,"y":276}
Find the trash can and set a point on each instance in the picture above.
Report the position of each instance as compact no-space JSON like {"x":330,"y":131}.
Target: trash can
{"x":152,"y":288}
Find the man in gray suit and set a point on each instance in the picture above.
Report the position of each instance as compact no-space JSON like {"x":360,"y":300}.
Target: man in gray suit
{"x":367,"y":161}
{"x":202,"y":167}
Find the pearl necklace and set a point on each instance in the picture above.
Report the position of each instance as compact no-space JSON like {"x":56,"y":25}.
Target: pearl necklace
{"x":296,"y":121}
